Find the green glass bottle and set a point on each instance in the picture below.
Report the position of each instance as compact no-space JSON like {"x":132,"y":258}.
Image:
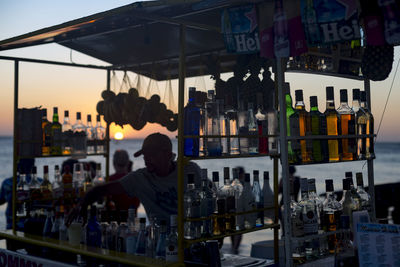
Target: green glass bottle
{"x":289,"y":111}
{"x":318,"y":127}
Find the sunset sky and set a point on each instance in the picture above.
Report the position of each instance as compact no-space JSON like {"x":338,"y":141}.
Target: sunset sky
{"x":78,"y":89}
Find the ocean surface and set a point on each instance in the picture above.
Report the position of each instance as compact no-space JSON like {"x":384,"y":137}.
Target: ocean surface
{"x":386,"y":170}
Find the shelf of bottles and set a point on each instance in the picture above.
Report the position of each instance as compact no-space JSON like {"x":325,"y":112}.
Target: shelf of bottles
{"x":337,"y":135}
{"x":322,"y":228}
{"x":76,"y":140}
{"x":214,"y":211}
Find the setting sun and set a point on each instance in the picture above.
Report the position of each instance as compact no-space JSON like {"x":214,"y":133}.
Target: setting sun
{"x":119,"y":136}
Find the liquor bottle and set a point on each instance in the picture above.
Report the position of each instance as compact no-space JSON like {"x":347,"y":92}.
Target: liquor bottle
{"x":91,"y":136}
{"x":349,"y":204}
{"x":269,"y":215}
{"x":55,"y":229}
{"x":365,"y":198}
{"x":365,"y":125}
{"x":112,"y":231}
{"x":227,"y":192}
{"x":46,"y":129}
{"x":292,"y":157}
{"x":162,"y":241}
{"x":79,"y":137}
{"x":331,"y":211}
{"x":353,"y":189}
{"x":121,"y":235}
{"x":191,"y":125}
{"x":272,"y":117}
{"x":56,"y":138}
{"x":310,"y":219}
{"x":224,"y":128}
{"x":141,"y":241}
{"x":171,"y":247}
{"x":22,"y":195}
{"x":243,"y":125}
{"x":66,"y":134}
{"x":253,"y":130}
{"x":67,"y":182}
{"x":192,"y":209}
{"x":247,"y":203}
{"x":281,"y":40}
{"x":98,"y":179}
{"x":312,"y":194}
{"x":93,"y":229}
{"x":332,"y":119}
{"x":318,"y":127}
{"x":300,"y":126}
{"x":258,"y":198}
{"x":57,"y":183}
{"x":207,"y":206}
{"x":48,"y":223}
{"x":104,"y":225}
{"x":34,"y":184}
{"x":345,"y":249}
{"x":78,"y":178}
{"x":100,"y":136}
{"x":262,"y":125}
{"x":238,"y":187}
{"x":132,"y":234}
{"x":63,"y":234}
{"x":297,"y":223}
{"x":212,"y":120}
{"x":88,"y":183}
{"x":232,"y":124}
{"x":218,"y":224}
{"x":347,"y":127}
{"x":46,"y":188}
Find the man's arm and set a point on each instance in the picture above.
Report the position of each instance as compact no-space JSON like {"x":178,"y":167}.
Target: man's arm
{"x":97,"y":192}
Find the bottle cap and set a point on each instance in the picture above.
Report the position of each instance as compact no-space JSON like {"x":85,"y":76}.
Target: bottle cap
{"x":66,"y":113}
{"x":329,"y":93}
{"x":215,"y":176}
{"x":55,"y":110}
{"x":78,"y":115}
{"x":303,"y":184}
{"x":343,"y":95}
{"x":98,"y":117}
{"x":190,"y":178}
{"x":299,"y":95}
{"x":348,"y":175}
{"x":329,"y":185}
{"x":255,"y":172}
{"x":359,"y":178}
{"x":142,"y":220}
{"x":346,"y":184}
{"x":89,"y":118}
{"x":313,"y":101}
{"x":247,"y":177}
{"x":266,"y":175}
{"x":226,"y":173}
{"x":363,"y":96}
{"x":34,"y":170}
{"x":356,"y":94}
{"x":45,"y":169}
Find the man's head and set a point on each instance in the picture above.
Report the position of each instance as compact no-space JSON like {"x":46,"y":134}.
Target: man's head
{"x":157,"y":153}
{"x":121,"y":161}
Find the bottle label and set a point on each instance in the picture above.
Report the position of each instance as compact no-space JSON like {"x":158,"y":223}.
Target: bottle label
{"x":171,"y":253}
{"x":310,"y":223}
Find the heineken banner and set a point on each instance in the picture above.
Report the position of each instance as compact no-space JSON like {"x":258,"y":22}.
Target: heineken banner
{"x":240,"y":29}
{"x":330,"y":21}
{"x":281,"y":32}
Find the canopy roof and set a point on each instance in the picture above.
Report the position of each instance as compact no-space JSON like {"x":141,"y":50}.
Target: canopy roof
{"x":144,"y":36}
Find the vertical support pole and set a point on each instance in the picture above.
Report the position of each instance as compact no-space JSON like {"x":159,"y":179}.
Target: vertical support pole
{"x":182,"y":75}
{"x":370,"y":162}
{"x":108,"y":132}
{"x":280,"y":79}
{"x":276,"y":187}
{"x":15,"y":154}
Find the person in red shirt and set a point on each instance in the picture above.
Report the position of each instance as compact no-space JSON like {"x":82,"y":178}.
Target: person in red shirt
{"x":122,"y":166}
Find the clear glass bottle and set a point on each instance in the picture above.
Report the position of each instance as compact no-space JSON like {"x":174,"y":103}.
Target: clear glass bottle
{"x":232,"y":124}
{"x":171,"y":247}
{"x":297,"y":223}
{"x":22,"y":195}
{"x":213,"y":144}
{"x":300,"y":126}
{"x":35,"y":184}
{"x":347,"y":127}
{"x":48,"y":224}
{"x":141,"y":242}
{"x":91,"y":136}
{"x":331,"y":211}
{"x":243,"y":123}
{"x":191,"y":208}
{"x":56,"y":138}
{"x":369,"y":128}
{"x":63,"y":234}
{"x":227,"y":192}
{"x":348,"y":202}
{"x":162,"y":241}
{"x":57,"y":183}
{"x":104,"y":228}
{"x":218,"y":224}
{"x":253,"y":130}
{"x":262,"y":125}
{"x":100,"y":136}
{"x":332,"y":119}
{"x":66,"y":134}
{"x":121,"y":236}
{"x":247,"y":203}
{"x":46,"y":129}
{"x":258,"y":198}
{"x":46,"y":188}
{"x":312,"y":194}
{"x":79,"y":137}
{"x":207,"y":205}
{"x":365,"y":198}
{"x":238,"y":187}
{"x":78,"y":178}
{"x":269,"y":215}
{"x":132,"y":234}
{"x":224,"y":128}
{"x":318,"y":127}
{"x":93,"y":229}
{"x":191,"y":125}
{"x":99,"y":178}
{"x":292,"y":157}
{"x":272,"y":117}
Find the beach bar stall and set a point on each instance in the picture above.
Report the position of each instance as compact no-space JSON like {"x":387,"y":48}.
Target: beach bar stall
{"x":177,"y":39}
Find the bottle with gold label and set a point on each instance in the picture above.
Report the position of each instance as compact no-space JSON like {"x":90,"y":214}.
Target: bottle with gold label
{"x":56,"y":139}
{"x":347,"y":127}
{"x":332,"y":119}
